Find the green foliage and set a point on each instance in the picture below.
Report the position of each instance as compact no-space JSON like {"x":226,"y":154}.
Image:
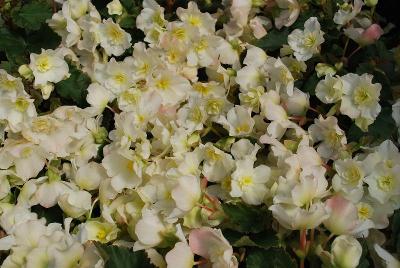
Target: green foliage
{"x":396,"y":230}
{"x":119,"y":257}
{"x":32,"y":15}
{"x":75,"y":87}
{"x":271,"y":258}
{"x":264,"y":239}
{"x":273,"y":40}
{"x":245,"y":218}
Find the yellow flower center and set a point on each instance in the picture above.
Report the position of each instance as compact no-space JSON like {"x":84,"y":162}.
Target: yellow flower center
{"x":6,"y":84}
{"x":194,"y":20}
{"x":157,"y":19}
{"x":365,"y":211}
{"x":179,"y":33}
{"x":353,"y":175}
{"x":214,"y":106}
{"x":101,"y":234}
{"x":21,"y":104}
{"x":246,"y":181}
{"x":120,"y":78}
{"x":41,"y":125}
{"x":212,"y":155}
{"x":362,"y":96}
{"x":196,"y":115}
{"x":130,"y":97}
{"x":26,"y":152}
{"x":163,"y":83}
{"x":310,"y":40}
{"x":43,"y":63}
{"x":115,"y":34}
{"x":386,"y":183}
{"x":202,"y":89}
{"x":201,"y":45}
{"x":243,"y":128}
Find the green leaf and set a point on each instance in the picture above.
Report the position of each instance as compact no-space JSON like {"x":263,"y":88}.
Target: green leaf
{"x":128,"y":22}
{"x":11,"y":43}
{"x":75,"y":87}
{"x":265,"y":239}
{"x":53,"y":214}
{"x":310,"y":84}
{"x":35,"y":40}
{"x":273,"y":40}
{"x":119,"y":257}
{"x":32,"y":15}
{"x":246,"y":219}
{"x":384,"y":126}
{"x":271,"y":258}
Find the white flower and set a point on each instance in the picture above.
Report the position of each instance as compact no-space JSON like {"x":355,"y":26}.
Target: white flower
{"x":180,"y":256}
{"x":361,"y":97}
{"x":349,"y":178}
{"x":329,"y":90}
{"x":151,"y":15}
{"x":250,"y":183}
{"x":113,"y":38}
{"x":331,"y":136}
{"x":171,"y":87}
{"x":75,"y":203}
{"x":289,"y":14}
{"x":48,"y":66}
{"x":103,"y":232}
{"x":187,"y":192}
{"x":17,"y":111}
{"x":306,"y":43}
{"x":347,"y":12}
{"x":10,"y":86}
{"x":384,"y":184}
{"x":192,"y":16}
{"x":346,"y":251}
{"x":238,"y":121}
{"x":98,"y":97}
{"x":89,"y":176}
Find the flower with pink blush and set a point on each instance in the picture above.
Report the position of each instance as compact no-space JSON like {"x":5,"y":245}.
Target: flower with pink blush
{"x":366,"y":36}
{"x":210,"y":244}
{"x":343,"y":215}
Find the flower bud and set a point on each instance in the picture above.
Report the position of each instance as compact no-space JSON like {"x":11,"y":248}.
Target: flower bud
{"x":115,"y":8}
{"x":25,"y":72}
{"x":75,"y":203}
{"x":371,"y":3}
{"x":323,"y":69}
{"x":346,"y":251}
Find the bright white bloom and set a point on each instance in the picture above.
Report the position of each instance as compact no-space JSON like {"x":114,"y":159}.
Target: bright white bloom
{"x":361,"y":98}
{"x":115,"y":7}
{"x":103,"y":232}
{"x":75,"y":203}
{"x":238,"y":121}
{"x":329,"y":90}
{"x":113,"y":38}
{"x":347,"y":12}
{"x":89,"y":176}
{"x":211,"y":244}
{"x":98,"y":97}
{"x":48,"y":66}
{"x":180,"y":256}
{"x":171,"y":87}
{"x":349,"y":178}
{"x":345,"y":252}
{"x":192,"y":16}
{"x":10,"y":86}
{"x":306,"y":43}
{"x":332,"y":138}
{"x":250,"y":183}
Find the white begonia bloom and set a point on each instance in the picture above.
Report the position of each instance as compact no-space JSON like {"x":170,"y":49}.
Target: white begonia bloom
{"x":150,"y":230}
{"x":329,"y":90}
{"x":388,"y":259}
{"x":217,"y":164}
{"x":125,"y":171}
{"x":187,"y":192}
{"x":66,"y":27}
{"x":10,"y":86}
{"x":251,"y":77}
{"x":89,"y":176}
{"x":204,"y":51}
{"x":78,"y":7}
{"x":280,"y":78}
{"x":332,"y":139}
{"x":251,"y":98}
{"x":171,"y":87}
{"x":249,"y":183}
{"x":17,"y":111}
{"x":347,"y":12}
{"x":113,"y":38}
{"x":180,"y":256}
{"x":192,"y":115}
{"x":27,"y":158}
{"x":243,"y":149}
{"x":298,"y":103}
{"x":349,"y":178}
{"x":152,"y":15}
{"x":384,"y":184}
{"x":193,"y":17}
{"x":346,"y":251}
{"x":48,"y":66}
{"x":306,"y":43}
{"x":118,"y":76}
{"x":115,"y":7}
{"x":361,"y":97}
{"x":295,"y":218}
{"x":238,"y":121}
{"x":5,"y":186}
{"x":103,"y":232}
{"x":75,"y":203}
{"x":289,"y":14}
{"x":212,"y":245}
{"x":98,"y":97}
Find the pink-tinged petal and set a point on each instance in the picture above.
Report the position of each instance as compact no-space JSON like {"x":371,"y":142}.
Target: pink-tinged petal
{"x":199,"y":240}
{"x":372,"y":33}
{"x":343,"y":215}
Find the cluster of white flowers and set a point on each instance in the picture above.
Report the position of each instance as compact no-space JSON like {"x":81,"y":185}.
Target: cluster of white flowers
{"x":159,"y":177}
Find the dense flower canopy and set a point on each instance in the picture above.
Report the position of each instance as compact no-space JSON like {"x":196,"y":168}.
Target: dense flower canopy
{"x":237,"y":133}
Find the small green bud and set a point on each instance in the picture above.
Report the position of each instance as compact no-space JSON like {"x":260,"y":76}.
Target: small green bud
{"x":100,"y":136}
{"x":371,"y":3}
